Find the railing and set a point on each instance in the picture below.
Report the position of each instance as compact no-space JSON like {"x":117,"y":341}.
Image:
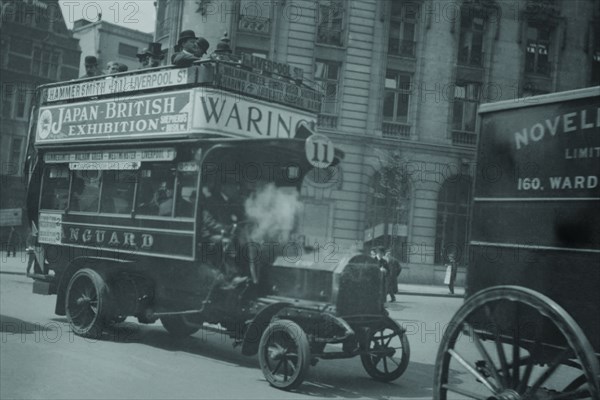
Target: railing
{"x":463,"y":138}
{"x":329,"y":36}
{"x":260,"y":25}
{"x":327,"y":121}
{"x":396,"y":130}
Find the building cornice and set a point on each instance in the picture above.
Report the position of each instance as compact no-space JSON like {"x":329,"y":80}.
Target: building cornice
{"x":115,"y":29}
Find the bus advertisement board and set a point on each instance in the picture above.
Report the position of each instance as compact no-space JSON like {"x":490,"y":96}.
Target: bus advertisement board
{"x":116,"y":84}
{"x":123,"y":118}
{"x":233,"y":115}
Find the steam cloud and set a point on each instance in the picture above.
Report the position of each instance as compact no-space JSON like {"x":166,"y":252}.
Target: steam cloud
{"x":272,"y":212}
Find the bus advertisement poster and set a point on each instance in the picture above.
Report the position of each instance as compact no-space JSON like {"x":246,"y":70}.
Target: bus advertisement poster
{"x":142,"y":116}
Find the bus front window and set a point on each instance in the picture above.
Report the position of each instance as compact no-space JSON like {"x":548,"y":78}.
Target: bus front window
{"x":55,"y":193}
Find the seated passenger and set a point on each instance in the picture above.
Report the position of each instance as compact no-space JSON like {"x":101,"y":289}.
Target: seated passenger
{"x":164,"y":200}
{"x":192,"y":49}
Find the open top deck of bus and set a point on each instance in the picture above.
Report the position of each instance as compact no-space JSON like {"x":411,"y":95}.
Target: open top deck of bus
{"x":213,"y":99}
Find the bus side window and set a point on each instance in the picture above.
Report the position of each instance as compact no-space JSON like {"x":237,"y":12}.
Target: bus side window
{"x":186,"y":193}
{"x":85,"y":191}
{"x":155,"y":195}
{"x":55,"y":193}
{"x":117,"y":191}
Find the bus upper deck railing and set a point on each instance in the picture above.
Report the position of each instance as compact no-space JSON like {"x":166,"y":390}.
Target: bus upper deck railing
{"x":264,"y":80}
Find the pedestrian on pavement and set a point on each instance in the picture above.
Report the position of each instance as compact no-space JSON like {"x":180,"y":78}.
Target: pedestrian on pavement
{"x":451,"y":269}
{"x":395,"y":269}
{"x":13,"y":241}
{"x":385,"y":268}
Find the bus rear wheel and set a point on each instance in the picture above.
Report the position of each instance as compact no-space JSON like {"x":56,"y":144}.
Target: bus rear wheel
{"x":87,"y":303}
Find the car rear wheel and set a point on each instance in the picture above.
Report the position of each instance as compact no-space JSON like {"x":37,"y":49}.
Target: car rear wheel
{"x":284,"y":354}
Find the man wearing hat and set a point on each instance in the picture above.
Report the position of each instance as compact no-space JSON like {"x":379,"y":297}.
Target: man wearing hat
{"x":152,"y":56}
{"x":91,"y":67}
{"x":192,"y":49}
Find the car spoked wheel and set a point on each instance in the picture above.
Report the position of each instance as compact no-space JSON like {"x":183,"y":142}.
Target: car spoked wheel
{"x":284,"y":354}
{"x":387,"y":353}
{"x":87,"y":303}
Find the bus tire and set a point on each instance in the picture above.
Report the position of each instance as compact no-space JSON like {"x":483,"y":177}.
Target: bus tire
{"x":87,"y":303}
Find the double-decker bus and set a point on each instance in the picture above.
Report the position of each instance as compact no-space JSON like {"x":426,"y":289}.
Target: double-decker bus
{"x":172,"y":193}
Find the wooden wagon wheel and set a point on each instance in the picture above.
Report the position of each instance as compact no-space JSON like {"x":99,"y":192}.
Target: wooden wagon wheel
{"x":494,"y":349}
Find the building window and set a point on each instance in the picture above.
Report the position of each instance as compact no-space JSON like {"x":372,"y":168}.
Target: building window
{"x":15,"y":152}
{"x":255,"y":17}
{"x":8,"y":95}
{"x":396,"y":101}
{"x":330,"y":22}
{"x":466,"y":100}
{"x":45,"y":63}
{"x":21,"y":45}
{"x":327,"y":75}
{"x":470,"y":51}
{"x":537,"y":60}
{"x":128,"y":50}
{"x":452,"y":219}
{"x":402,"y":29}
{"x":162,"y":18}
{"x":21,"y":102}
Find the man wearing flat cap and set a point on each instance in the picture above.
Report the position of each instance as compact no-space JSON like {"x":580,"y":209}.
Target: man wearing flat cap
{"x":192,"y":49}
{"x":152,"y":56}
{"x":91,"y":67}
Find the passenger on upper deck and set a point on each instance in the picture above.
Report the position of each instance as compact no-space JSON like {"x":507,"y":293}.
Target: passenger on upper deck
{"x":91,"y":67}
{"x":112,"y":68}
{"x":152,"y":56}
{"x":192,"y":49}
{"x":223,"y":51}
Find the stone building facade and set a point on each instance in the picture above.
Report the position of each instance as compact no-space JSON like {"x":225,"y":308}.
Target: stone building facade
{"x":35,"y":48}
{"x":402,"y":80}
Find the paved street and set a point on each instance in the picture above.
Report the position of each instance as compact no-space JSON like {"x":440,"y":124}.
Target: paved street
{"x":41,"y":358}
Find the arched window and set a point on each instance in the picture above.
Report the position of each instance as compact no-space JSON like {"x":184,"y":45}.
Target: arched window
{"x":452,"y":219}
{"x":387,"y":213}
